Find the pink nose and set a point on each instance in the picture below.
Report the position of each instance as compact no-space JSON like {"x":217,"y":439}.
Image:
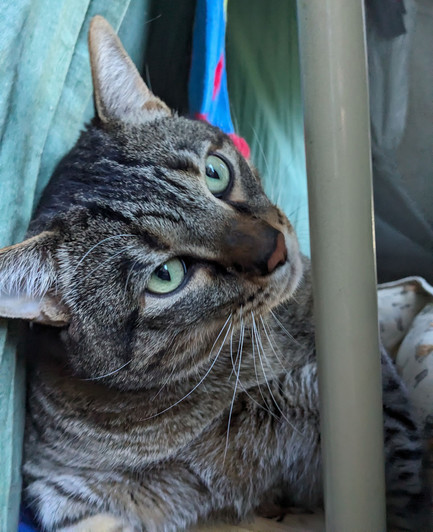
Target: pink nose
{"x":279,"y":255}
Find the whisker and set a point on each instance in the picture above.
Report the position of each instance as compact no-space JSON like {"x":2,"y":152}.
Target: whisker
{"x":231,"y":352}
{"x":241,"y":341}
{"x":95,"y":246}
{"x":148,"y":22}
{"x":164,"y":385}
{"x":272,"y":345}
{"x":294,"y":213}
{"x":284,"y":368}
{"x":131,"y":269}
{"x":255,"y":371}
{"x":259,"y":342}
{"x":284,"y":329}
{"x":262,"y":151}
{"x":205,"y":375}
{"x":261,"y":348}
{"x":108,"y":374}
{"x":251,"y":398}
{"x":243,"y":387}
{"x":231,"y":406}
{"x":111,"y":257}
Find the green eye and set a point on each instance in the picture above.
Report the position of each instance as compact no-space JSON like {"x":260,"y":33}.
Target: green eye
{"x":167,"y":277}
{"x":217,"y":174}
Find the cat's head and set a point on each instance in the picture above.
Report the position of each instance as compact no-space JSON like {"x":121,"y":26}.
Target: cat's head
{"x":153,"y":233}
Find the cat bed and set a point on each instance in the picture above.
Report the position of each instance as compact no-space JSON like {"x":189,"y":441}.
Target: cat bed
{"x":406,"y":327}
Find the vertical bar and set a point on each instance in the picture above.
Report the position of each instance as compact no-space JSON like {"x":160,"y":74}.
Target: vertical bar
{"x":334,"y":76}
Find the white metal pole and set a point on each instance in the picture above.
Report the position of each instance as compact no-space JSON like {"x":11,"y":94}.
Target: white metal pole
{"x":334,"y":76}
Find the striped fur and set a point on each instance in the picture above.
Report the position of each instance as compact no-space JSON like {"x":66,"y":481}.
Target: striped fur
{"x":406,"y":494}
{"x":151,"y":413}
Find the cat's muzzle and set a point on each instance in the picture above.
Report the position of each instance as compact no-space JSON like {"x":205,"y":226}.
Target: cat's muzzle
{"x":254,"y":248}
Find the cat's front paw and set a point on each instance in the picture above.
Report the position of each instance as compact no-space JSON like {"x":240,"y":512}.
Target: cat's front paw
{"x":99,"y":523}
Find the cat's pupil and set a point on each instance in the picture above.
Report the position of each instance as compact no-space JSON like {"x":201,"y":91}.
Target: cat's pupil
{"x":163,"y":273}
{"x":211,"y":172}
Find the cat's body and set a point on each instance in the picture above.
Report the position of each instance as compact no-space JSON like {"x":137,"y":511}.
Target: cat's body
{"x":153,"y":406}
{"x":189,"y":462}
{"x":109,"y":452}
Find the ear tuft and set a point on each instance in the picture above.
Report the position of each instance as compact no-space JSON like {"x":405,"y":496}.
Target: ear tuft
{"x":24,"y":269}
{"x":28,"y":280}
{"x":120,"y":93}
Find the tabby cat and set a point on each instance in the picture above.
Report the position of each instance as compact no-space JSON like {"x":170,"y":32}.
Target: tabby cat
{"x":164,"y":389}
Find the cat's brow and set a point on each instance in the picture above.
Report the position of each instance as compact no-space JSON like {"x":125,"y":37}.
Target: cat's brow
{"x":107,"y":212}
{"x":163,"y":177}
{"x":182,"y":164}
{"x":218,"y":142}
{"x":128,"y":265}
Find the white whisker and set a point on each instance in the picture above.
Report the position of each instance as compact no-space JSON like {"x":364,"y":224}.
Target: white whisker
{"x":262,"y":151}
{"x":96,"y":245}
{"x":240,"y":342}
{"x":243,"y":387}
{"x":131,"y":269}
{"x":108,"y":374}
{"x":284,"y":329}
{"x":205,"y":375}
{"x":231,"y":406}
{"x":231,"y":352}
{"x":111,"y":257}
{"x":164,"y":384}
{"x":255,"y":370}
{"x":260,"y":345}
{"x":272,"y":345}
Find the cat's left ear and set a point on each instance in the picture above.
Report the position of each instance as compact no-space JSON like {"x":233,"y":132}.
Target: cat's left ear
{"x":28,"y":282}
{"x":120,"y":93}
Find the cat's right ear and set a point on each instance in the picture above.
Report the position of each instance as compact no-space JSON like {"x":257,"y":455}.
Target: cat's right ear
{"x":120,"y":93}
{"x":28,"y":281}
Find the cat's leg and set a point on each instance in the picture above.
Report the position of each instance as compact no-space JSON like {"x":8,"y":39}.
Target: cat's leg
{"x":263,"y":454}
{"x":75,"y":501}
{"x":98,"y":523}
{"x":407,"y":507}
{"x":166,"y":499}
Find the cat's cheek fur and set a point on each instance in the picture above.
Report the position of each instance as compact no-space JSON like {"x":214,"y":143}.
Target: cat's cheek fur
{"x":295,"y":261}
{"x":286,"y":279}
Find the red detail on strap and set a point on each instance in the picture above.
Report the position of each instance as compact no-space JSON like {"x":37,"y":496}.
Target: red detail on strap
{"x":241,"y":144}
{"x":201,"y":116}
{"x":218,"y":76}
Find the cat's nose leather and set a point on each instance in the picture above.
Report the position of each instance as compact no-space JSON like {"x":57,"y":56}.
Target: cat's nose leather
{"x":279,"y":255}
{"x":254,"y":247}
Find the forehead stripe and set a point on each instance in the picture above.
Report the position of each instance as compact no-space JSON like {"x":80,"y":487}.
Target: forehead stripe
{"x":164,"y":178}
{"x":107,"y":212}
